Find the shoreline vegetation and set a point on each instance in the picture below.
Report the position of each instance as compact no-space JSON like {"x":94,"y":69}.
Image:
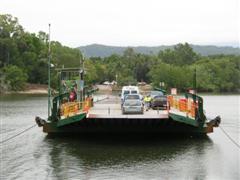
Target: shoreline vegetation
{"x":24,"y":65}
{"x":42,"y":89}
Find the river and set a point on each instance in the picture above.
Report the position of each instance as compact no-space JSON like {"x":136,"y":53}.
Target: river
{"x":33,"y":155}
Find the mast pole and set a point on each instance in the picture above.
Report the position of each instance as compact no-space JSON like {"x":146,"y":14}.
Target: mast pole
{"x":49,"y":76}
{"x":195,"y":81}
{"x":195,"y":91}
{"x":82,"y":78}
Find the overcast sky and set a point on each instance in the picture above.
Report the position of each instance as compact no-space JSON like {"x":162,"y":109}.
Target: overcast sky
{"x":130,"y":22}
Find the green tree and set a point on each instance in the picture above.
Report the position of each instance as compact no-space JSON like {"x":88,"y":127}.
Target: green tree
{"x":10,"y":30}
{"x":168,"y":56}
{"x":15,"y":77}
{"x":184,"y":54}
{"x":181,"y":54}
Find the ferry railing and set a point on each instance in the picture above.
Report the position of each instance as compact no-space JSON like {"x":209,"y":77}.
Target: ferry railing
{"x":56,"y":104}
{"x":192,"y":105}
{"x":61,"y":108}
{"x":198,"y":108}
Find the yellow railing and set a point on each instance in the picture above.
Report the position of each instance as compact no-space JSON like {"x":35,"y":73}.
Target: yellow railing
{"x":72,"y":108}
{"x":183,"y":105}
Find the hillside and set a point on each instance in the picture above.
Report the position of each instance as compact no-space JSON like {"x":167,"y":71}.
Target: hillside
{"x":95,"y":50}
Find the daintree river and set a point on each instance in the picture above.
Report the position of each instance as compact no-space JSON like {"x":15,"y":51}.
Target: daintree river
{"x":33,"y":155}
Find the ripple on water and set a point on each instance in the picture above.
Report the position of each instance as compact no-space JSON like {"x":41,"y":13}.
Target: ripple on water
{"x":35,"y":156}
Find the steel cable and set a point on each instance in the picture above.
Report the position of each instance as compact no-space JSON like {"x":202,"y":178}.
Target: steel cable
{"x":8,"y":139}
{"x":229,"y":137}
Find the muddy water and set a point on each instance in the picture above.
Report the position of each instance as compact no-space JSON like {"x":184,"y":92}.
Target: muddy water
{"x":33,"y":155}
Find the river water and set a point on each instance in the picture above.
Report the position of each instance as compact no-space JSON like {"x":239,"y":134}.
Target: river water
{"x":33,"y":155}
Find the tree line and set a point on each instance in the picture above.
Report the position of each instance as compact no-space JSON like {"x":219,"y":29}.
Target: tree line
{"x":218,"y":73}
{"x":23,"y":59}
{"x":24,"y":55}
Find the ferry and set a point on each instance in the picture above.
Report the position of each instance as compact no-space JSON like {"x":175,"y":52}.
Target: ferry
{"x":74,"y":110}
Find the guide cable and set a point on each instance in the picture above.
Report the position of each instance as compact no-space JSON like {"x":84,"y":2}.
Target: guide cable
{"x":229,"y":137}
{"x":8,"y":139}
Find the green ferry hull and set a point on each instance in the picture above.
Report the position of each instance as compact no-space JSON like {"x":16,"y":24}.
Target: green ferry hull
{"x":107,"y":117}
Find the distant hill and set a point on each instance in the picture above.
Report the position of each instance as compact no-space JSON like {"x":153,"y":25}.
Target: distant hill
{"x":98,"y":50}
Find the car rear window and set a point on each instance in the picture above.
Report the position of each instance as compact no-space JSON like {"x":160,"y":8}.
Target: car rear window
{"x":132,"y":97}
{"x":132,"y":103}
{"x":156,"y":93}
{"x":133,"y":92}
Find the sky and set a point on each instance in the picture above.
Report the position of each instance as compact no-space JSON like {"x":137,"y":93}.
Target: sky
{"x":130,"y":22}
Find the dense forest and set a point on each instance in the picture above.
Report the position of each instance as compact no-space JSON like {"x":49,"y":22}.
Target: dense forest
{"x":23,"y":59}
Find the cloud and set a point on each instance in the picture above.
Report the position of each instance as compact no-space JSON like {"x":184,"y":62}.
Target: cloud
{"x":124,"y":22}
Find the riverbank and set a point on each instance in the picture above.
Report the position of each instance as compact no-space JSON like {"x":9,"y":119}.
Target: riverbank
{"x":43,"y":90}
{"x":31,"y":89}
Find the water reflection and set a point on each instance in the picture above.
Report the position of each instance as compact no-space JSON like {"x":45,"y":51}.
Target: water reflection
{"x":33,"y":156}
{"x":128,"y":158}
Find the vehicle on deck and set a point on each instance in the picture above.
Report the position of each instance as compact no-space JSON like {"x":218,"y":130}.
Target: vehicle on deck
{"x":128,"y":90}
{"x":132,"y":97}
{"x":132,"y":106}
{"x":159,"y":102}
{"x":106,"y":83}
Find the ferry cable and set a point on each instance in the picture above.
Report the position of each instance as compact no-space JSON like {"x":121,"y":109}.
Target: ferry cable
{"x":229,"y":137}
{"x":8,"y":139}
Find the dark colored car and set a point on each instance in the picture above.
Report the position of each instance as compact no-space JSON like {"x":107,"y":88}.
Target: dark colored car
{"x":159,"y":102}
{"x":156,"y":93}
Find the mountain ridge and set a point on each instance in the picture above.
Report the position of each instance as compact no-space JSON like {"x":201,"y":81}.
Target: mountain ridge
{"x":100,"y":50}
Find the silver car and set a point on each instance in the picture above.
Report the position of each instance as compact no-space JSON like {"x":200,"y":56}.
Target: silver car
{"x":132,"y":106}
